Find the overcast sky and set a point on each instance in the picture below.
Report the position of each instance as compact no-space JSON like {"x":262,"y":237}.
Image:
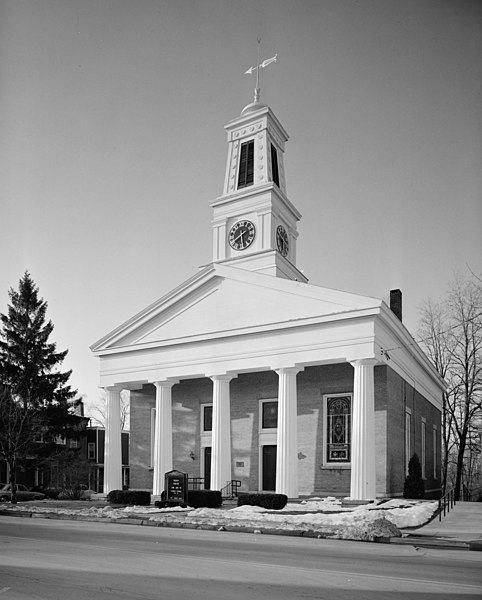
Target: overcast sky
{"x":112,"y":146}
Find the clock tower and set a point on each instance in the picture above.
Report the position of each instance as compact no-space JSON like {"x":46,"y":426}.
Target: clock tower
{"x":254,"y":222}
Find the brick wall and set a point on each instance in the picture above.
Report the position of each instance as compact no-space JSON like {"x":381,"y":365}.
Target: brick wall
{"x":402,"y":395}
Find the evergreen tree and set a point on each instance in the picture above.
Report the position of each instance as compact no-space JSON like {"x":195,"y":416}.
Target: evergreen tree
{"x":414,"y":487}
{"x":36,"y":399}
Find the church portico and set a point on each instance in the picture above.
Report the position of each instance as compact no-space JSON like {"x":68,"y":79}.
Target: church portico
{"x":237,"y":421}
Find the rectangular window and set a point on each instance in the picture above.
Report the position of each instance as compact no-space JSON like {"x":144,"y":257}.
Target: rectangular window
{"x":274,"y":165}
{"x":269,"y":415}
{"x":424,"y":425}
{"x":91,"y":451}
{"x":408,"y":438}
{"x":338,"y":429}
{"x":434,"y":451}
{"x":207,"y":411}
{"x":74,"y":443}
{"x":246,"y":164}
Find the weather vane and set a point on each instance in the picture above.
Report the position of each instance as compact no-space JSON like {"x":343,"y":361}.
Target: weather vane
{"x":259,"y":66}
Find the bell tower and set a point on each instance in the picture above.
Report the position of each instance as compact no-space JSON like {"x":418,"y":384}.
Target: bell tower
{"x":254,"y":222}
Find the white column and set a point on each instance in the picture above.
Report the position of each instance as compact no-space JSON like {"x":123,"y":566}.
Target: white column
{"x":287,"y":439}
{"x":162,"y":435}
{"x":221,"y":435}
{"x":363,"y":474}
{"x":112,"y":448}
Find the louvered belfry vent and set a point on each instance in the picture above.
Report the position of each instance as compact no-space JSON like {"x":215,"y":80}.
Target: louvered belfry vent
{"x":246,"y":164}
{"x":274,"y":165}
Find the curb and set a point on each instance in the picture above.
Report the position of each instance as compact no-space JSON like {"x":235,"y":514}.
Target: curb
{"x":438,"y":543}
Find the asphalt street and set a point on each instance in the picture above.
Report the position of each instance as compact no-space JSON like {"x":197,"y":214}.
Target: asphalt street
{"x":47,"y":559}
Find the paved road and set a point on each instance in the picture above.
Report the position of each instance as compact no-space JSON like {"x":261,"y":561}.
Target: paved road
{"x":42,"y":559}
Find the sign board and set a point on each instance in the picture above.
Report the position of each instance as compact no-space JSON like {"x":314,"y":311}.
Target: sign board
{"x":175,"y":485}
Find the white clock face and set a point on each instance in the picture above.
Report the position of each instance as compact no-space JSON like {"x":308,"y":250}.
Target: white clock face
{"x":241,"y":235}
{"x":282,"y":240}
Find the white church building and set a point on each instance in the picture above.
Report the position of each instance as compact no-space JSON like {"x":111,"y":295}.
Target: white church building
{"x":248,"y":372}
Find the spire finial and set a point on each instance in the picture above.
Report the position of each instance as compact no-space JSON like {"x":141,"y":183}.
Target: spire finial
{"x":265,"y":63}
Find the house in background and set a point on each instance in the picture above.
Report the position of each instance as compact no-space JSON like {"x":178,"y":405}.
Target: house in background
{"x":46,"y":473}
{"x":93,"y":444}
{"x":90,"y":446}
{"x":246,"y":371}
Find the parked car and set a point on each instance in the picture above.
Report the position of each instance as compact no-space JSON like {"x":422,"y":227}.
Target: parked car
{"x":23,"y":493}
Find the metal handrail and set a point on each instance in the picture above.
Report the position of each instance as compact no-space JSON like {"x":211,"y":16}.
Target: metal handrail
{"x":446,"y":503}
{"x":230,"y":490}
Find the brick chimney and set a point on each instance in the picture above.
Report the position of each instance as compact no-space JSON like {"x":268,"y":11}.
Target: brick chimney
{"x":396,"y":303}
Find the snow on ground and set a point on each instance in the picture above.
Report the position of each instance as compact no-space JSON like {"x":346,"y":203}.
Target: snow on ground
{"x":323,"y":516}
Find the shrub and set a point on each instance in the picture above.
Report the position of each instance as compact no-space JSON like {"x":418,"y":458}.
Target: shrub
{"x":272,"y":501}
{"x":414,"y":487}
{"x":140,"y":498}
{"x":70,"y":493}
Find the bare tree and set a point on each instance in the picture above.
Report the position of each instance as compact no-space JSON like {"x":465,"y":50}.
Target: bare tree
{"x":20,"y":425}
{"x":98,"y":412}
{"x":451,"y":333}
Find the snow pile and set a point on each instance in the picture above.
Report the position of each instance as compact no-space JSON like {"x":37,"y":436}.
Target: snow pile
{"x":353,"y":525}
{"x":322,"y":517}
{"x":408,"y":513}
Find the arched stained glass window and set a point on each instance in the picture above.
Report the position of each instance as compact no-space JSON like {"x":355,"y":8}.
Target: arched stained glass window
{"x":338,"y":429}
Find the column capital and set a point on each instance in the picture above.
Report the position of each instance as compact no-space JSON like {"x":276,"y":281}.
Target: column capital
{"x":165,"y":383}
{"x":289,"y":370}
{"x":113,"y":388}
{"x":365,"y":362}
{"x":223,"y":377}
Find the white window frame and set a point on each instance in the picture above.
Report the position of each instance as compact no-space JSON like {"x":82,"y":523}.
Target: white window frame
{"x":408,"y":437}
{"x":423,"y":458}
{"x":266,"y":430}
{"x":326,"y":464}
{"x":201,"y":426}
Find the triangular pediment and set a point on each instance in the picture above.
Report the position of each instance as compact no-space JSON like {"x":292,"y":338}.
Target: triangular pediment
{"x":222,"y":300}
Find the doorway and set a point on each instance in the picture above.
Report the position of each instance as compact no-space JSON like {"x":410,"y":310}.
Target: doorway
{"x":207,"y":467}
{"x":269,"y":468}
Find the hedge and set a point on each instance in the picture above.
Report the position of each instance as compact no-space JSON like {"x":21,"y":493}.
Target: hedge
{"x":272,"y":501}
{"x":204,"y":498}
{"x":195,"y":499}
{"x":139,"y":498}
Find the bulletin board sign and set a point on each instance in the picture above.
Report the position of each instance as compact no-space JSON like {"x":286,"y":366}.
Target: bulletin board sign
{"x":175,"y":485}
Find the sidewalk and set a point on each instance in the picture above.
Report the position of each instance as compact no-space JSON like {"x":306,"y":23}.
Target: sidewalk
{"x":460,"y":528}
